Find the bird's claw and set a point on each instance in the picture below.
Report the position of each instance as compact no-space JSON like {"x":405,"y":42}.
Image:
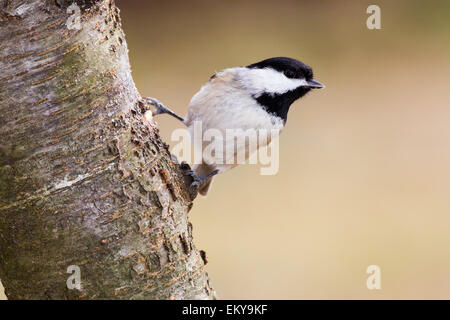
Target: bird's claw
{"x":150,"y":104}
{"x":192,"y":180}
{"x":156,"y":107}
{"x":193,"y":189}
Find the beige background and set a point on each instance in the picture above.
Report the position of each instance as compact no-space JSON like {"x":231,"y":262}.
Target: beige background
{"x":364,"y":164}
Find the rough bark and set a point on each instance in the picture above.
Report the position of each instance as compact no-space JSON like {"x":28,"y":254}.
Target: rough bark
{"x":84,"y":179}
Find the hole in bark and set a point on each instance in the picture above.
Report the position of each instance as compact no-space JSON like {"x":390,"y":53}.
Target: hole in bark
{"x":184,"y":244}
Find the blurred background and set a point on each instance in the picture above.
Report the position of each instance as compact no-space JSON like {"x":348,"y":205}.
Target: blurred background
{"x":364,"y":172}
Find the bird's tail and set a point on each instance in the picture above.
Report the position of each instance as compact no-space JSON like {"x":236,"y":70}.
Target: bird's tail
{"x":203,"y":170}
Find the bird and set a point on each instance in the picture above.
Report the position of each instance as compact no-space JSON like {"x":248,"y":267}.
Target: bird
{"x":253,"y":97}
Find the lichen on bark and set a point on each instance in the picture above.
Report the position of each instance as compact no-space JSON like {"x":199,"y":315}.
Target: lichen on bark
{"x":85,"y":179}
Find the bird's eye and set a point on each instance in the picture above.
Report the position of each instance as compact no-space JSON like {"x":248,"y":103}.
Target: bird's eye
{"x":289,"y":74}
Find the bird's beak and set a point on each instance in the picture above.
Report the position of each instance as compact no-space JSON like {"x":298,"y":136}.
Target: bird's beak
{"x":314,"y":84}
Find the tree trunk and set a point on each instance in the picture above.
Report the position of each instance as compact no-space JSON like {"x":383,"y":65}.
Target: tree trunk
{"x":85,"y":180}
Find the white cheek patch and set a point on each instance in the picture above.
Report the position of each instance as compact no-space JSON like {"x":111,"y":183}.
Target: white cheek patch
{"x":267,"y":80}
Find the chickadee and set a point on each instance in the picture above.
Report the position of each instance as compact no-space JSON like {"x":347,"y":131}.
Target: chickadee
{"x":257,"y":96}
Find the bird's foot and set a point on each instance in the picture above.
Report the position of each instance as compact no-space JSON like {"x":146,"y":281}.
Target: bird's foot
{"x":156,"y":107}
{"x":193,"y":180}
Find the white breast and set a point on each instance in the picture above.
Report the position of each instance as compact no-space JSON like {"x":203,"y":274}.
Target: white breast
{"x":225,"y":103}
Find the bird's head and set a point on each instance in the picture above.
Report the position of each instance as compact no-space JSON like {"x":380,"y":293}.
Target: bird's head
{"x":276,"y":83}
